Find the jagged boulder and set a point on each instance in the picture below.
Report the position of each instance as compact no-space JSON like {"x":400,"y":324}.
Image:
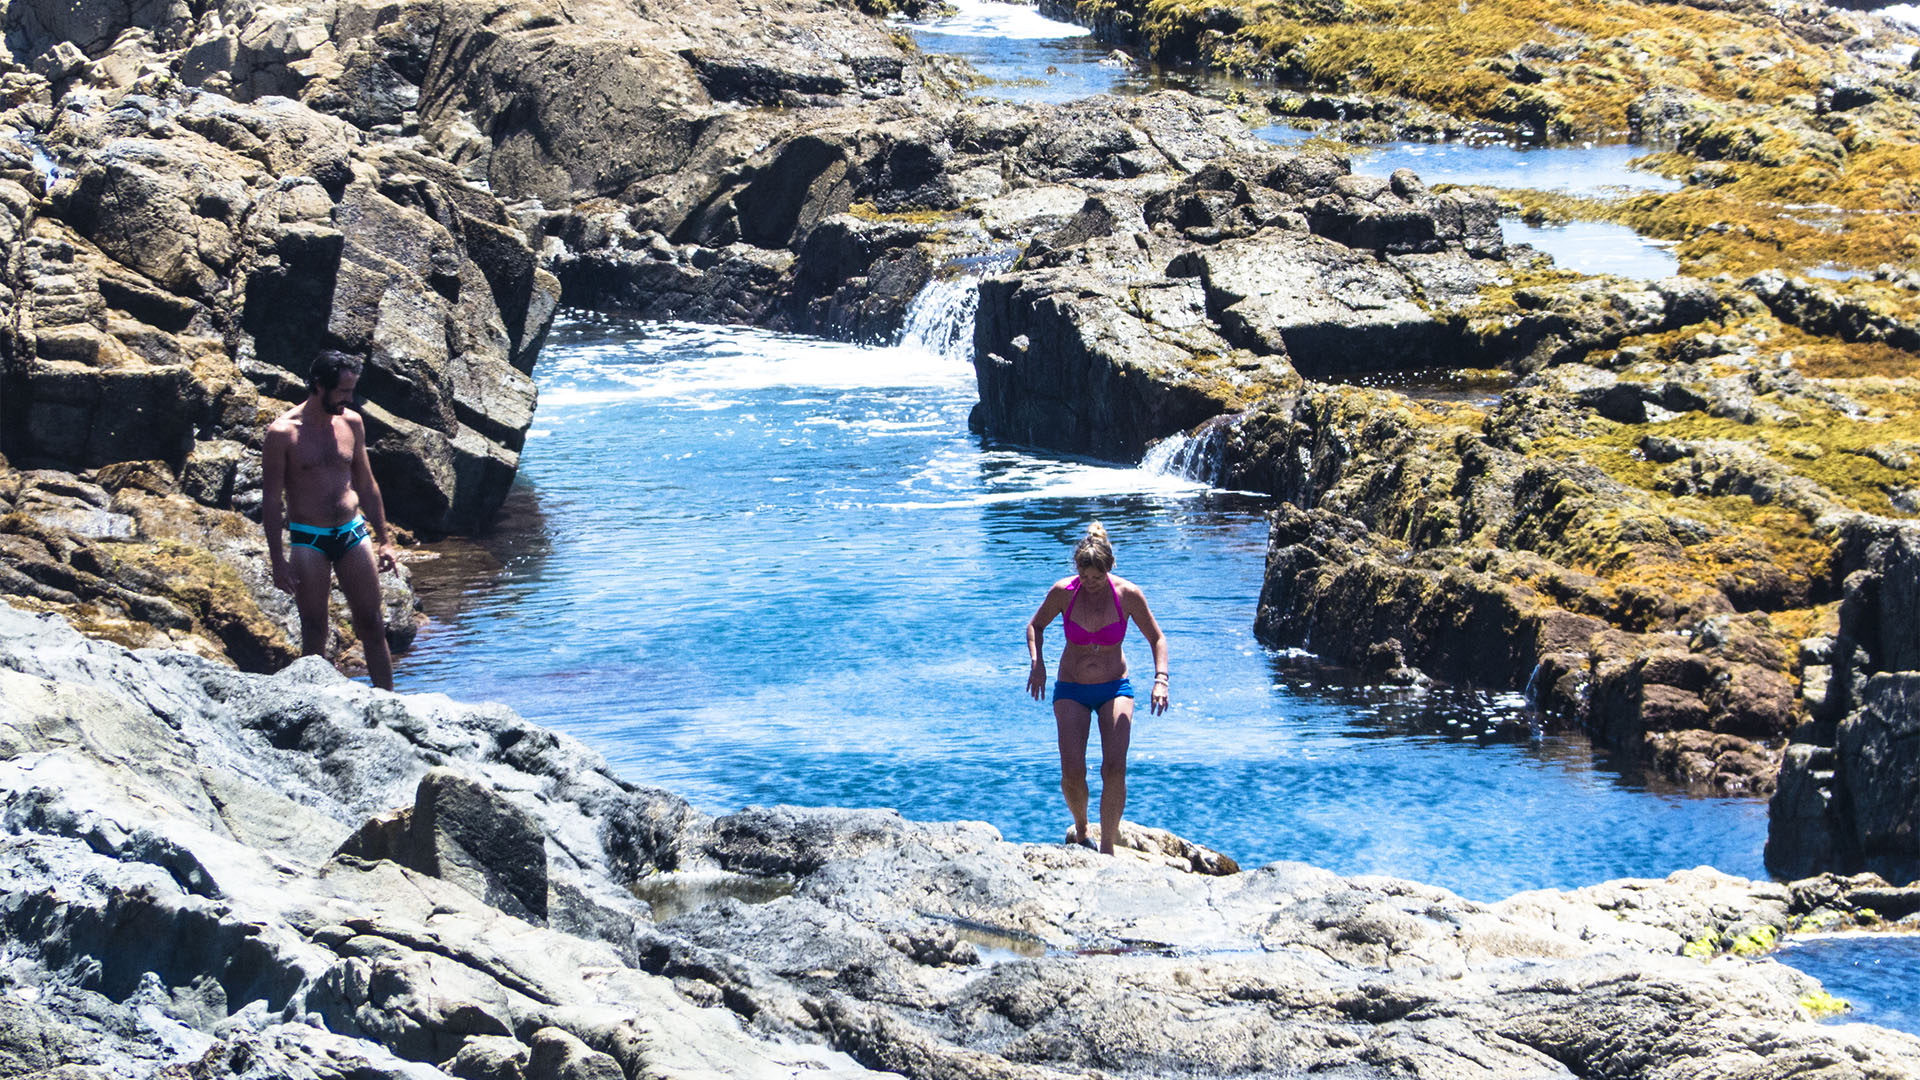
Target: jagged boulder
{"x":1849,"y":799}
{"x":463,"y":832}
{"x":175,"y":209}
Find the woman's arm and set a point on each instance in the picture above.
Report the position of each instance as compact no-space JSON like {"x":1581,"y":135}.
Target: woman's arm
{"x":1136,"y":601}
{"x":1052,"y":606}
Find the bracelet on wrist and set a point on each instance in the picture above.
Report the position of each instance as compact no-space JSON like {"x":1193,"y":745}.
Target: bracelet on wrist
{"x":1161,"y":676}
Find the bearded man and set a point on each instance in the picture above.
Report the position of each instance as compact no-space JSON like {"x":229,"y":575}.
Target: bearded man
{"x":316,"y":461}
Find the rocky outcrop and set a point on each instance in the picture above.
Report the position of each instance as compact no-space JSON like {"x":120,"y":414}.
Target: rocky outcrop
{"x":1863,"y":312}
{"x":834,"y":224}
{"x":1849,"y":799}
{"x":1445,"y":532}
{"x":1139,"y":319}
{"x":132,"y":554}
{"x":175,"y":895}
{"x":218,"y":248}
{"x":175,"y":259}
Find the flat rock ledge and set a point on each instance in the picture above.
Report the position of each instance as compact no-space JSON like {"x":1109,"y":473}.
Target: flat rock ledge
{"x":206,"y":873}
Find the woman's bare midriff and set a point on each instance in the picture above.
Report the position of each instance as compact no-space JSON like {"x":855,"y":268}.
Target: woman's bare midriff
{"x":1092,"y":663}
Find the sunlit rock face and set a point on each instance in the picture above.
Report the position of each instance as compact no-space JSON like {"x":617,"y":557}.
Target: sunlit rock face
{"x":298,"y":874}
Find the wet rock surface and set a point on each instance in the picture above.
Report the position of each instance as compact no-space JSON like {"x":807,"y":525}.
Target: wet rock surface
{"x":173,"y":898}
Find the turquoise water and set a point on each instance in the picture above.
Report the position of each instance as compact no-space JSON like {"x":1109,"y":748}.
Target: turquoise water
{"x":759,"y":569}
{"x":1878,"y":974}
{"x":1027,"y":57}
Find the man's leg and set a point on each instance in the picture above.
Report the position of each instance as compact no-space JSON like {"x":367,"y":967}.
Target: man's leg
{"x":1072,"y":720}
{"x":310,"y":596}
{"x":359,"y":572}
{"x":1116,"y":731}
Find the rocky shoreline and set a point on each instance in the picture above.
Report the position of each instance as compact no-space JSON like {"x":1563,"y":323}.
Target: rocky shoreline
{"x":210,"y":873}
{"x":1680,"y":516}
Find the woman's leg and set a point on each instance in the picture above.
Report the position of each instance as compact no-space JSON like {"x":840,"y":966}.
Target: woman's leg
{"x":1116,"y":731}
{"x":1071,"y":720}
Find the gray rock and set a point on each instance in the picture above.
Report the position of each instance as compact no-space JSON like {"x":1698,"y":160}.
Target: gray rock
{"x":1848,"y":798}
{"x":1327,"y":307}
{"x":558,"y":1055}
{"x":488,"y":1057}
{"x":133,"y":787}
{"x":1100,"y":353}
{"x":465,"y":833}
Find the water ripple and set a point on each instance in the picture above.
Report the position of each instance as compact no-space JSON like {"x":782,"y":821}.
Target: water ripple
{"x":738,"y":601}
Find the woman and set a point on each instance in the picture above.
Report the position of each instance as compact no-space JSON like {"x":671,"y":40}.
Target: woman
{"x":1095,"y":606}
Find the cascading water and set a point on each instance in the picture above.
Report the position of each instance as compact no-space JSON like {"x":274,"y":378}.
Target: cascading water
{"x":940,"y":319}
{"x":1200,"y":454}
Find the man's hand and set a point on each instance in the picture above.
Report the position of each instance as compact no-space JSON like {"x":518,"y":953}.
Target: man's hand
{"x":285,"y":577}
{"x":389,"y":555}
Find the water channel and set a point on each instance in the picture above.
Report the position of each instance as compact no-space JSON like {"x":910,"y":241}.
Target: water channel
{"x":756,"y":568}
{"x":1029,"y":58}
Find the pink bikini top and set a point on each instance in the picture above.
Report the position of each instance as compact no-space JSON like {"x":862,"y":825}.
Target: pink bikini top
{"x":1109,"y":634}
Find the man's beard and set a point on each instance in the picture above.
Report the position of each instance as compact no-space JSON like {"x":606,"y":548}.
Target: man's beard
{"x":336,"y":407}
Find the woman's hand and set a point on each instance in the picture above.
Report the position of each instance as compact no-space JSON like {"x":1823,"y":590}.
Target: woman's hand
{"x":1037,"y":679}
{"x":1157,"y":701}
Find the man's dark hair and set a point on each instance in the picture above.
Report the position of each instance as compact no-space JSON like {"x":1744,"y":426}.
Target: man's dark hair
{"x":329,"y":366}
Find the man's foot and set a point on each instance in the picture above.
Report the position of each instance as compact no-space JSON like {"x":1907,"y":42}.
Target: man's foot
{"x":1077,"y":835}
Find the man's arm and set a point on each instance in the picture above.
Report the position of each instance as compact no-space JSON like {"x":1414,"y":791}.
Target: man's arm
{"x":369,"y":492}
{"x":273,"y":511}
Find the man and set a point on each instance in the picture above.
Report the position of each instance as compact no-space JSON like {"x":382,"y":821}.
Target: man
{"x":316,"y":457}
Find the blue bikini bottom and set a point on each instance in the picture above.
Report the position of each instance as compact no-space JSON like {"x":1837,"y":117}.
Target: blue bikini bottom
{"x":1092,"y":694}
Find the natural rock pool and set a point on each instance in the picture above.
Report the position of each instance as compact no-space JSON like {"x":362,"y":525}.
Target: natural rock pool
{"x":760,"y":569}
{"x":1024,"y":55}
{"x":1877,"y":974}
{"x":1030,"y":58}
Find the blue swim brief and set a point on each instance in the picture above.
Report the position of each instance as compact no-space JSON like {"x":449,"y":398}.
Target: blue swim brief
{"x":1092,"y":694}
{"x":332,"y":542}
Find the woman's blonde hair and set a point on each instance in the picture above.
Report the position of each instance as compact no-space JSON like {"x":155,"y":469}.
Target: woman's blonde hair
{"x":1094,"y":549}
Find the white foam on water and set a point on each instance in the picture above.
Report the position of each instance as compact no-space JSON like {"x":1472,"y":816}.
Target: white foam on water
{"x":1014,"y":478}
{"x":1905,"y":14}
{"x":710,"y":366}
{"x":988,"y":19}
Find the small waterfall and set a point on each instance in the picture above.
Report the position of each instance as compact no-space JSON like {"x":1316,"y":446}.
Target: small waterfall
{"x":1200,"y":454}
{"x":940,"y":319}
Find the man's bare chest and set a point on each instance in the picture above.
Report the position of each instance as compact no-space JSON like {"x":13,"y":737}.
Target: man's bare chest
{"x":322,"y":449}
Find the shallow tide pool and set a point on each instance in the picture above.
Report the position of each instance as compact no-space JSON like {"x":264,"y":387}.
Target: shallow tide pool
{"x":755,"y":569}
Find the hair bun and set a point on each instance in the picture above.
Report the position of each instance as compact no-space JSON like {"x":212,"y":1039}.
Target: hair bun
{"x":1094,"y":549}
